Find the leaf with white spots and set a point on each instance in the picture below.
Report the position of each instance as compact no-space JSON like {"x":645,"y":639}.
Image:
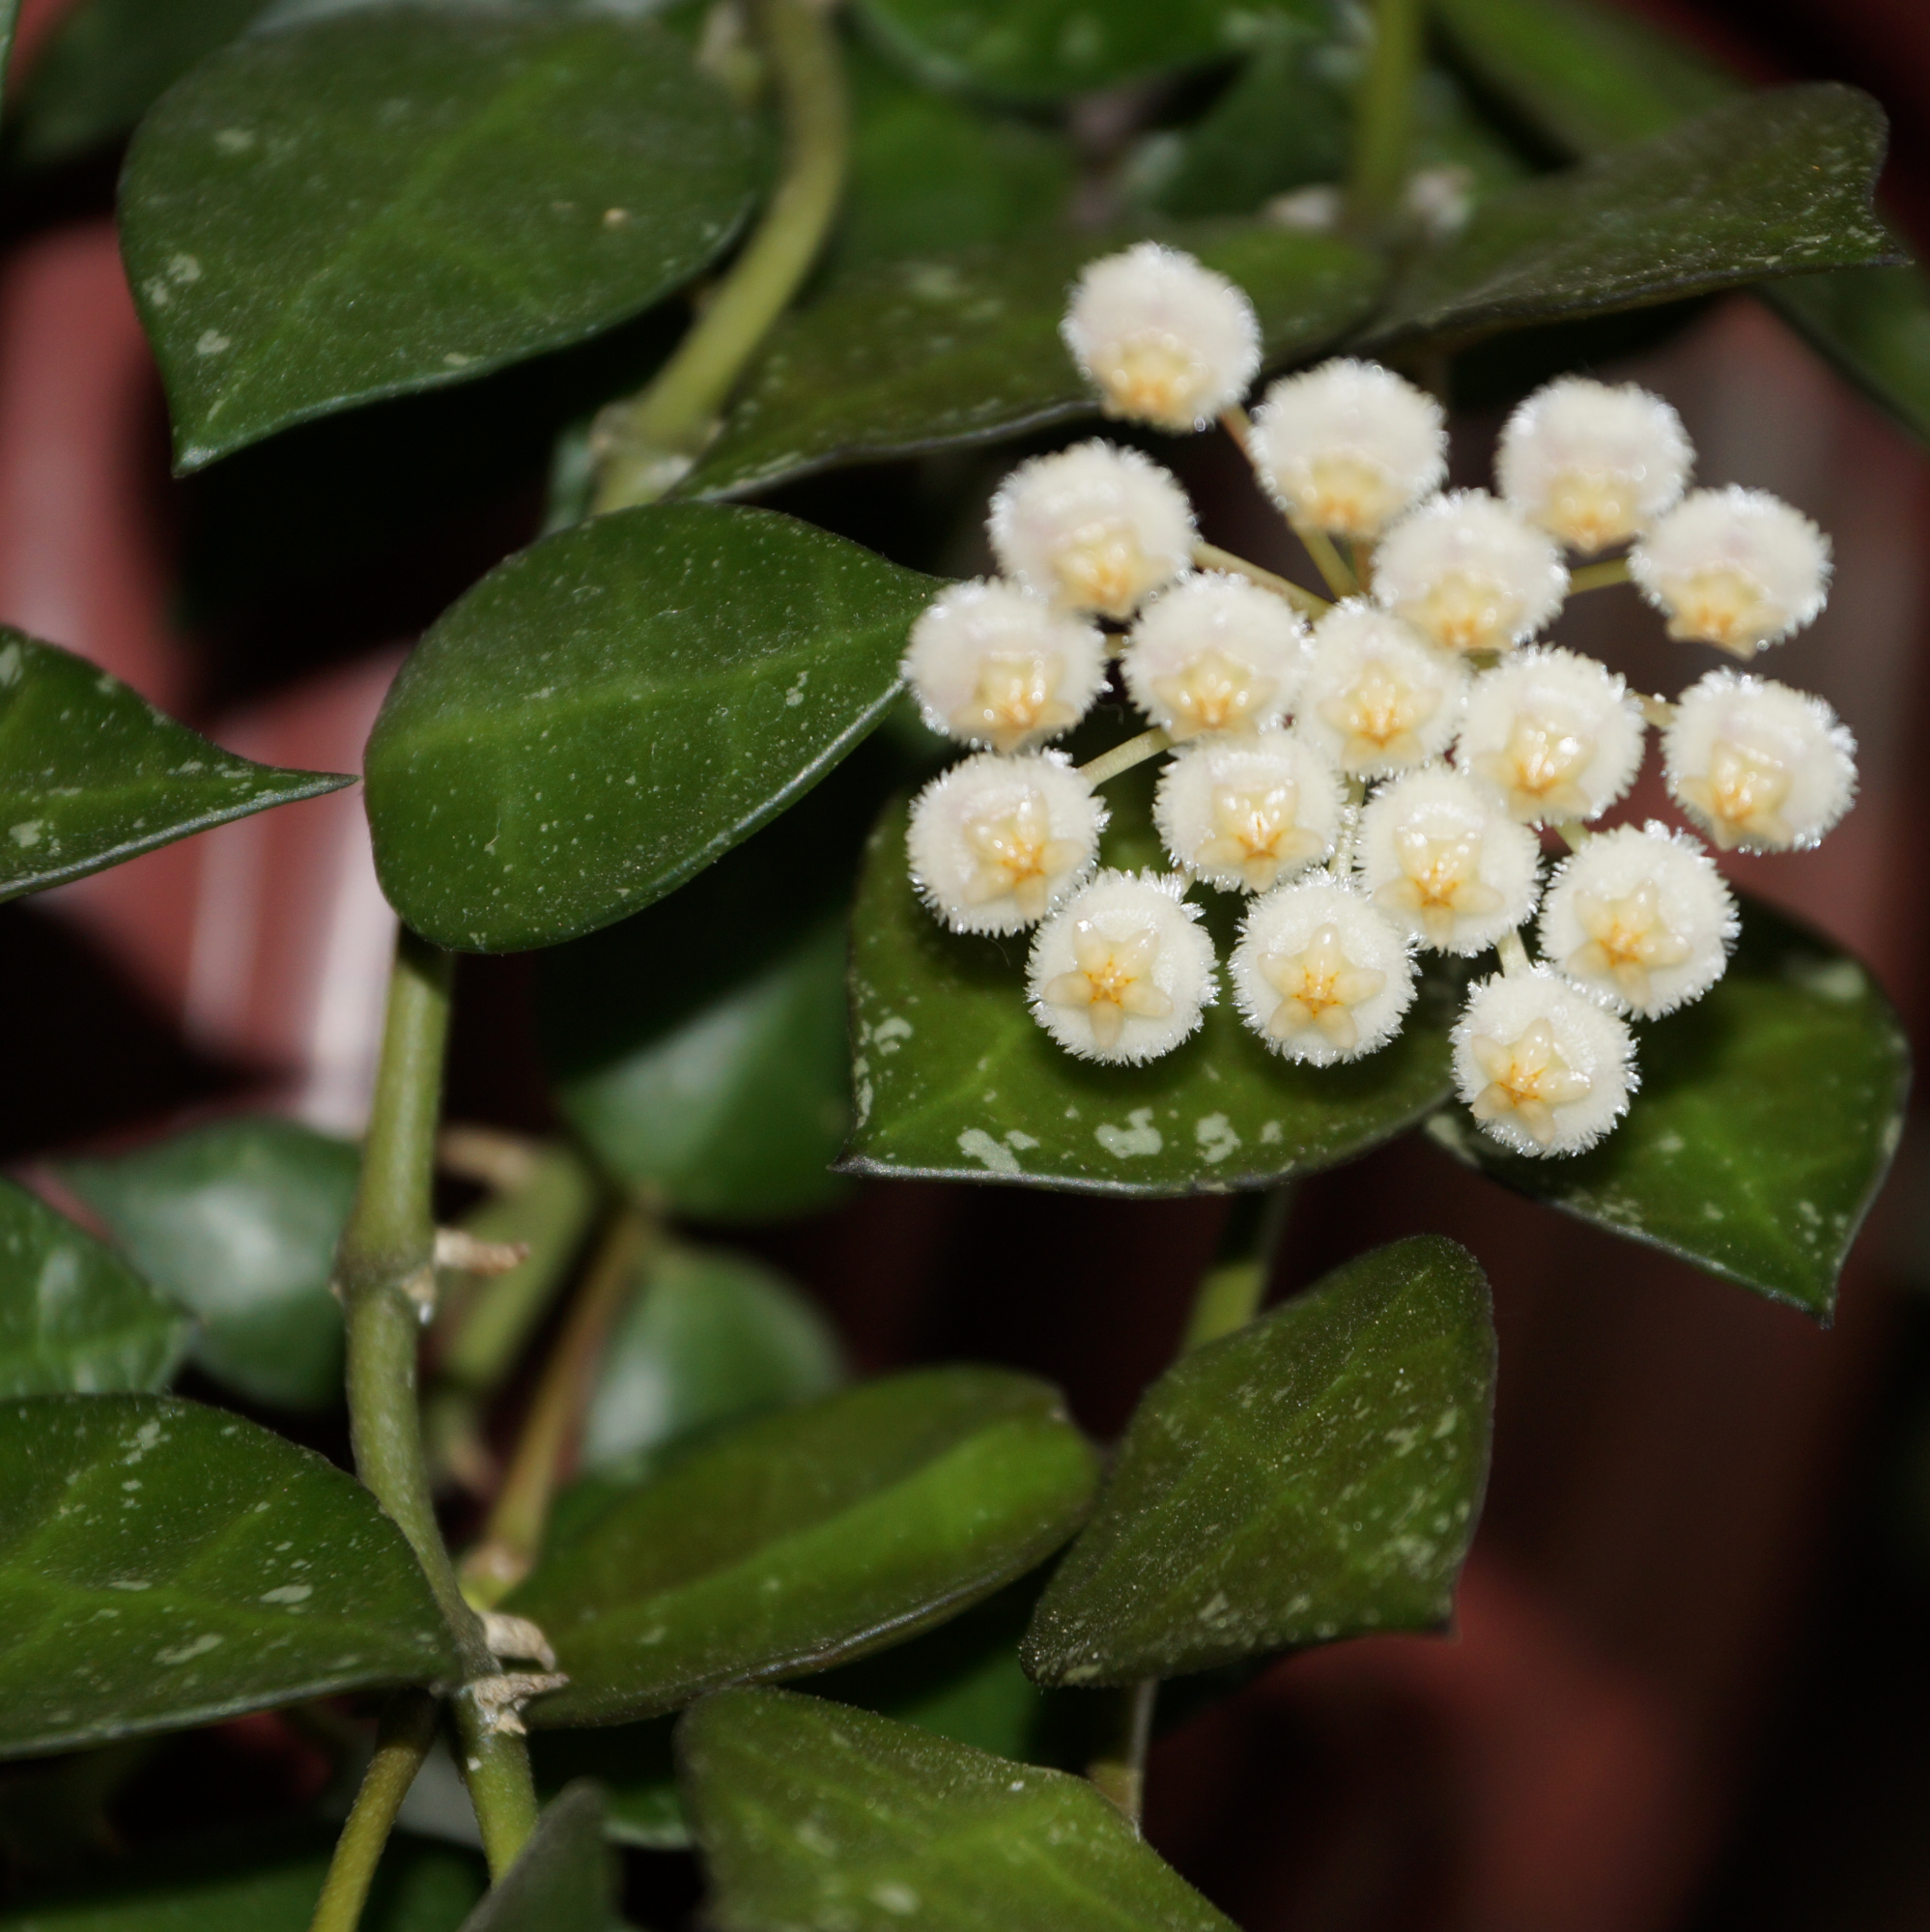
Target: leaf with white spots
{"x":1315,"y":1475}
{"x":1763,"y":1128}
{"x":614,"y":707}
{"x":164,"y":1565}
{"x":74,"y":1315}
{"x":812,"y":1813}
{"x":92,"y":774}
{"x":399,"y":198}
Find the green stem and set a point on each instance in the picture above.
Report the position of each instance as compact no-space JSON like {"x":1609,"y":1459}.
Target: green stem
{"x":1210,"y":556}
{"x":1598,"y":575}
{"x":647,"y":446}
{"x":1124,"y":755}
{"x":408,"y":1730}
{"x":1232,"y":1290}
{"x":384,"y":1271}
{"x":1327,"y":560}
{"x":1385,"y":112}
{"x":1119,"y":1766}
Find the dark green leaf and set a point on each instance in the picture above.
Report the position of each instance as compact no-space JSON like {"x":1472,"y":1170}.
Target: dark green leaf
{"x":948,"y":349}
{"x":73,"y":1315}
{"x":812,"y":1536}
{"x":1315,"y":1475}
{"x":300,"y":240}
{"x":238,"y":1222}
{"x":91,"y":773}
{"x":954,"y":1079}
{"x":10,"y":13}
{"x":1588,"y":78}
{"x":1763,"y":1128}
{"x":810,"y":1813}
{"x":163,"y":1565}
{"x":1772,"y":185}
{"x":715,"y":1337}
{"x":618,"y":707}
{"x":637,"y":1773}
{"x":563,"y":1879}
{"x":265,"y":1879}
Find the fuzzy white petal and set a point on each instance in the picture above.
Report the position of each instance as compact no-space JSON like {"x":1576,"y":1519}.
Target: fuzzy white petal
{"x":1641,"y":918}
{"x":1737,"y":568}
{"x":1545,"y":1070}
{"x":992,"y":664}
{"x":996,"y":843}
{"x":1164,"y":340}
{"x":1445,"y":863}
{"x":1349,"y":446}
{"x":1468,"y":574}
{"x":1215,"y":653}
{"x":1758,"y":764}
{"x":1593,"y":464}
{"x":1123,"y":972}
{"x":1245,"y":812}
{"x":1319,"y":975}
{"x":1553,"y":734}
{"x":1376,"y":700}
{"x":1094,"y":527}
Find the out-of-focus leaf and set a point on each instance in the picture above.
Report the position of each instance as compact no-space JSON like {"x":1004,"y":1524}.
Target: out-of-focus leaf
{"x":1316,"y":1474}
{"x":615,"y":707}
{"x":164,"y":1565}
{"x":74,"y":1315}
{"x":10,"y":13}
{"x":1762,"y":1131}
{"x":92,"y":774}
{"x":944,"y":349}
{"x":812,"y":1813}
{"x":238,"y":1222}
{"x":564,"y":1879}
{"x":809,"y":1537}
{"x":300,"y":240}
{"x":1773,"y":185}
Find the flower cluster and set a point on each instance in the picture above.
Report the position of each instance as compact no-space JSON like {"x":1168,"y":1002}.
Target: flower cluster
{"x":1378,"y":782}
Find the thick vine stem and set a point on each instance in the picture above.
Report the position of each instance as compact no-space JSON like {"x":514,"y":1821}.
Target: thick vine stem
{"x":408,"y":1730}
{"x":385,"y":1273}
{"x":1385,"y":114}
{"x":645,"y":446}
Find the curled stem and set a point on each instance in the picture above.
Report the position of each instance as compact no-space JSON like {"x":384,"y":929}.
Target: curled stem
{"x":1123,"y":758}
{"x":1210,"y":556}
{"x":408,"y":1730}
{"x":646,"y":445}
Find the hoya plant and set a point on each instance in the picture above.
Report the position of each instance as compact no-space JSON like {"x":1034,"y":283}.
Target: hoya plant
{"x":1097,"y":856}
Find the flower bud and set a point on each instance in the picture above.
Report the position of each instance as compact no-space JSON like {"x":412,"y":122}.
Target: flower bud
{"x":1736,"y":568}
{"x":1468,"y":574}
{"x":1591,"y":463}
{"x":1215,"y":653}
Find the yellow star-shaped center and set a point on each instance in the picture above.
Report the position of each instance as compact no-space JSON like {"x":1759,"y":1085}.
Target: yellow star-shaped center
{"x":1345,"y":496}
{"x":1255,"y":833}
{"x":1528,"y":1078}
{"x":1440,"y":881}
{"x":1016,"y":697}
{"x":1318,"y":987}
{"x":1740,"y":796}
{"x":1215,"y":693}
{"x":1724,"y":607}
{"x":1378,"y":715}
{"x":1113,"y":977}
{"x":1590,"y":509}
{"x":1463,"y":611}
{"x":1539,"y":769}
{"x":1627,"y":939}
{"x":1101,"y":567}
{"x":1014,"y":852}
{"x":1154,"y":378}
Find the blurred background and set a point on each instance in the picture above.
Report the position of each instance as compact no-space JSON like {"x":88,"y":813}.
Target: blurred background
{"x":1688,"y":1686}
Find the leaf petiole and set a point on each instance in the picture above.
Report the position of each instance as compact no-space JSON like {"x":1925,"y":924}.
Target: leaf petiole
{"x":1210,"y":556}
{"x":408,"y":1730}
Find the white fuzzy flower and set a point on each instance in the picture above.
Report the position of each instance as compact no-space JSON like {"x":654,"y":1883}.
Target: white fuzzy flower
{"x":1542,"y":1066}
{"x":1734,"y":567}
{"x":1348,"y":446}
{"x":1556,"y":734}
{"x":1445,"y":863}
{"x":1319,"y":975}
{"x":1640,"y":917}
{"x":1215,"y":653}
{"x":1242,"y":814}
{"x":1593,"y":464}
{"x":1123,"y":972}
{"x":1468,"y":574}
{"x":1438,"y":200}
{"x":1758,"y":765}
{"x":1094,"y":528}
{"x":1376,"y":700}
{"x":992,"y":664}
{"x":995,"y":843}
{"x":1164,"y":340}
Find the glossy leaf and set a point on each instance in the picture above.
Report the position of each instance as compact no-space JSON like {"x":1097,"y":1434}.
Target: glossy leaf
{"x":810,"y":1813}
{"x":92,"y":774}
{"x":163,"y":1565}
{"x":804,"y":1537}
{"x":265,"y":1879}
{"x":238,"y":1222}
{"x":713,"y":1338}
{"x":563,"y":1879}
{"x":74,"y":1315}
{"x":1766,"y":1121}
{"x":1773,"y":185}
{"x":1316,"y":1474}
{"x":948,"y":349}
{"x":955,"y":1080}
{"x":1587,"y":78}
{"x":299,"y":240}
{"x":618,"y":707}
